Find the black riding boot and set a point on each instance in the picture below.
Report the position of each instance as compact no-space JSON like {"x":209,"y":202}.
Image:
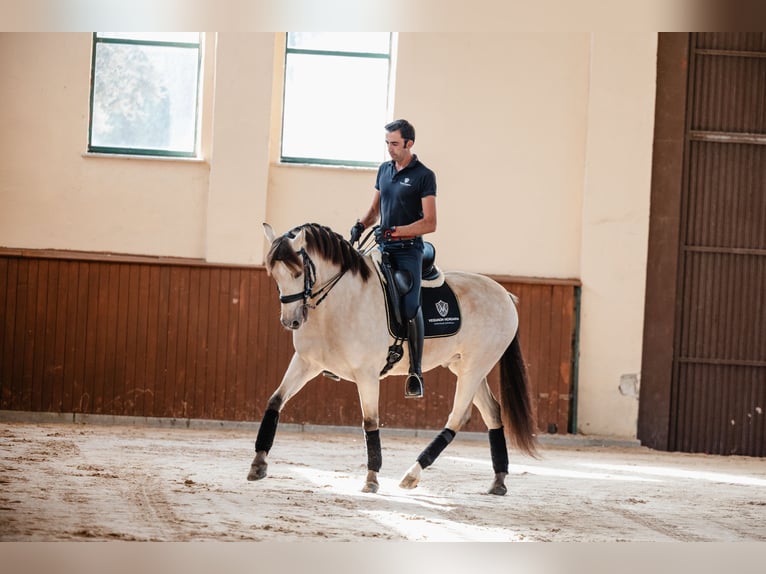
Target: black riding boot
{"x":413,"y":388}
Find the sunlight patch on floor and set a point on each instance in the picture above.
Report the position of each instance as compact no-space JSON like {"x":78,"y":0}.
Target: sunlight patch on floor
{"x":681,"y":473}
{"x":541,"y":470}
{"x":351,"y":485}
{"x":439,"y":530}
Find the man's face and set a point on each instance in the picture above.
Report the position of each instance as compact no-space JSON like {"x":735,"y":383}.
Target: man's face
{"x":398,"y":148}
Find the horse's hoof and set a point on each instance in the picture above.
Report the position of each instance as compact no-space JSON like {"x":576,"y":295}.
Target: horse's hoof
{"x":409,"y":482}
{"x":498,"y":489}
{"x":498,"y":485}
{"x":257,"y":471}
{"x":371,"y":487}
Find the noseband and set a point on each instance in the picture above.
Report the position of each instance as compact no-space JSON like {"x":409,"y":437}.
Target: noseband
{"x":309,"y":279}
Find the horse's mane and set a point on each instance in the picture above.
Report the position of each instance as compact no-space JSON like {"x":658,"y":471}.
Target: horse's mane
{"x":323,"y":242}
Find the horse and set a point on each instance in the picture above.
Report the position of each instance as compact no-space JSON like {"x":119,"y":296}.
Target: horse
{"x":336,"y":309}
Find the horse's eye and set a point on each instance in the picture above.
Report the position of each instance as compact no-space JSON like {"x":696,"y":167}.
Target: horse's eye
{"x":296,"y":274}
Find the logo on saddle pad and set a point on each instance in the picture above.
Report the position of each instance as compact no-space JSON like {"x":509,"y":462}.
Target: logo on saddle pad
{"x":441,"y":313}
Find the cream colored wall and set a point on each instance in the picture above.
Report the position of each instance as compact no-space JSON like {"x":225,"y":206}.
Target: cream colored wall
{"x":51,"y":196}
{"x":541,"y":144}
{"x":505,"y":134}
{"x":240,"y":158}
{"x":615,"y":223}
{"x":506,"y":141}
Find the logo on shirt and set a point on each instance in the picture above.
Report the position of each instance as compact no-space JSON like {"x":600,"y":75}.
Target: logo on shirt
{"x":406,"y":182}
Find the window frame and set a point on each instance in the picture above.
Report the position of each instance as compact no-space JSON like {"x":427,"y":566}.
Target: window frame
{"x":146,"y":152}
{"x":298,"y":160}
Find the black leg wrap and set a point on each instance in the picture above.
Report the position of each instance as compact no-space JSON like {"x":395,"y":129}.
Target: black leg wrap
{"x":499,"y":450}
{"x":374,"y":455}
{"x":267,"y":430}
{"x":433,"y":450}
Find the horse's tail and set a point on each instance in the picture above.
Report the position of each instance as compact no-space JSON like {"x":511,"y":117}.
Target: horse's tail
{"x":515,"y":400}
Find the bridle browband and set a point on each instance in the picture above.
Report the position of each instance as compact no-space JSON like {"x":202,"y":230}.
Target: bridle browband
{"x":309,"y":279}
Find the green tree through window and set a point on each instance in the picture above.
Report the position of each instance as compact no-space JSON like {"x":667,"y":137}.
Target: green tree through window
{"x":144,"y":94}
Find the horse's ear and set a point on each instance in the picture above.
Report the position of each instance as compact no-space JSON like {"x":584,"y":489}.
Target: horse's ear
{"x":298,"y":238}
{"x":268,"y":231}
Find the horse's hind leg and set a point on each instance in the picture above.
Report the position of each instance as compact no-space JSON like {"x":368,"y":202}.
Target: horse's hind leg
{"x":490,"y":412}
{"x":464,"y":391}
{"x":298,"y":373}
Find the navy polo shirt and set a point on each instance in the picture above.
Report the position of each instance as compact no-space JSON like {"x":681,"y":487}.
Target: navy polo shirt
{"x":401,"y":192}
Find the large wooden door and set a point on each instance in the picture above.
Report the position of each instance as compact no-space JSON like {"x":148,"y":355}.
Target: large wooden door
{"x":709,"y":393}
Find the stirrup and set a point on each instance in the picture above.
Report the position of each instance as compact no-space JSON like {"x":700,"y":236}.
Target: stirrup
{"x":413,"y":387}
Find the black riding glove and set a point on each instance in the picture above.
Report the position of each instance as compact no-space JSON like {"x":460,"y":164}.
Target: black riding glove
{"x":356,"y":231}
{"x":383,"y":234}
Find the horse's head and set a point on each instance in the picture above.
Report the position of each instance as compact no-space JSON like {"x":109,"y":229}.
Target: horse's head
{"x":287,"y":262}
{"x":306,"y":255}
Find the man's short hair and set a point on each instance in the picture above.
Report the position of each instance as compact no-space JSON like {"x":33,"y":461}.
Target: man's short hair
{"x":406,"y":128}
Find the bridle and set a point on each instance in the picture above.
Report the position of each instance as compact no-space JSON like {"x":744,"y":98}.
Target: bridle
{"x":309,"y":280}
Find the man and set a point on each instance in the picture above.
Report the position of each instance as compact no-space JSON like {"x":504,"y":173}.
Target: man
{"x":405,"y":201}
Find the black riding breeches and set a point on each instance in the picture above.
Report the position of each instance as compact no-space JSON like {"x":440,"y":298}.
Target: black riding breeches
{"x":407,"y":256}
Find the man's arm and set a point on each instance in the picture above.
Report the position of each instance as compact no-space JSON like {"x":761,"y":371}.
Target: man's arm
{"x":374,"y":212}
{"x":421,"y":226}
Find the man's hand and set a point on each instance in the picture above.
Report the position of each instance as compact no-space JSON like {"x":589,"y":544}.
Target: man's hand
{"x":383,"y":234}
{"x":356,"y":231}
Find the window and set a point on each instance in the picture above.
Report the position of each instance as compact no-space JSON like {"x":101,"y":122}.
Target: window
{"x":336,"y":98}
{"x":144,"y":95}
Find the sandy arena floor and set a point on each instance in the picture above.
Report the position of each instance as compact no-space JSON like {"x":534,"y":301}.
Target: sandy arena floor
{"x":91,"y":482}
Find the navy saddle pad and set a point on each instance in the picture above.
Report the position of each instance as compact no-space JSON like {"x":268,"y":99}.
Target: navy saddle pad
{"x":441,"y":313}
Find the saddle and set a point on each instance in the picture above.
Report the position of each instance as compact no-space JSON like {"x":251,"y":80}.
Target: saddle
{"x":441,"y":312}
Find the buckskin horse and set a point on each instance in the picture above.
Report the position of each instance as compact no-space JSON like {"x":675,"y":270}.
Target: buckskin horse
{"x":333,"y":300}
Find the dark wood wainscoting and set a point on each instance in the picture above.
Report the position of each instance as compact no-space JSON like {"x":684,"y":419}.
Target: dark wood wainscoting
{"x":143,"y":337}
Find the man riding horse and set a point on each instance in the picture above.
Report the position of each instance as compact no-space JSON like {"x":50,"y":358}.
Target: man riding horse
{"x":405,"y":201}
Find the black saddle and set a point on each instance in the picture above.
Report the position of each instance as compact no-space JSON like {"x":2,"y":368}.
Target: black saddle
{"x":402,"y":279}
{"x":441,"y":311}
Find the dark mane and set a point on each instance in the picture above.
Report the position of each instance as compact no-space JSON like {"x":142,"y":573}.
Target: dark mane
{"x":323,"y":242}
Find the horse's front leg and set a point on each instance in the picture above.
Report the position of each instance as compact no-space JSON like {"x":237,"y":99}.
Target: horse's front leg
{"x":298,"y":373}
{"x":369,"y":394}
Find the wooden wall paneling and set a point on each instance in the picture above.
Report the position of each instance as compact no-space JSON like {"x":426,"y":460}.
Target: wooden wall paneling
{"x":121,"y":340}
{"x":202,"y":345}
{"x":257,"y":350}
{"x":161,"y":406}
{"x":59,"y":320}
{"x":152,"y":278}
{"x":8,"y":285}
{"x":130,"y":386}
{"x":77,"y":339}
{"x":94,"y":367}
{"x":16,"y":357}
{"x":188,"y":396}
{"x":565,"y":365}
{"x":241,"y":309}
{"x":222,"y":308}
{"x":253,"y":402}
{"x":49,"y":326}
{"x":25,"y":365}
{"x":35,"y":347}
{"x":143,"y":339}
{"x":179,"y":366}
{"x":233,"y":334}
